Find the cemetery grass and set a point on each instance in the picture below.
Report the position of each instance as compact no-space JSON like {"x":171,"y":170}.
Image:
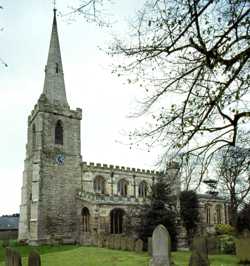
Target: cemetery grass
{"x":71,"y":255}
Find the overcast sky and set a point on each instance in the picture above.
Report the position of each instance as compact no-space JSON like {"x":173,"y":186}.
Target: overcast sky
{"x":105,"y":99}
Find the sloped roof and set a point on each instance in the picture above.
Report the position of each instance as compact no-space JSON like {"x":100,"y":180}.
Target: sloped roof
{"x":9,"y":222}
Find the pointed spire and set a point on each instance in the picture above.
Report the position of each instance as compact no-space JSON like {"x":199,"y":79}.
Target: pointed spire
{"x":54,"y":87}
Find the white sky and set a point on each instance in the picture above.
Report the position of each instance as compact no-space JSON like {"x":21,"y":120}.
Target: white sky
{"x":105,"y":99}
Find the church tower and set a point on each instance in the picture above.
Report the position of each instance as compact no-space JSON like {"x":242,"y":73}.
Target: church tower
{"x":52,"y":171}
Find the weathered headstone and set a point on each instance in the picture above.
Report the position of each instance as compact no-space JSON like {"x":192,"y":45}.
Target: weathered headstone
{"x":117,"y":242}
{"x":94,"y":239}
{"x":110,"y":241}
{"x":245,"y":233}
{"x":34,"y":259}
{"x":107,"y":242}
{"x":8,"y":256}
{"x":161,"y":247}
{"x":212,"y":245}
{"x":100,"y":241}
{"x":124,"y":243}
{"x":16,"y":258}
{"x":130,"y":244}
{"x":242,"y":249}
{"x":138,"y":245}
{"x":199,"y":256}
{"x":150,"y":252}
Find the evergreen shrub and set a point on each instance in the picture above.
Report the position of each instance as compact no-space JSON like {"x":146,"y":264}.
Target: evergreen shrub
{"x":227,"y":244}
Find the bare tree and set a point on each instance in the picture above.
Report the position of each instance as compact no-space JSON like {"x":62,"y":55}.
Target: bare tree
{"x":192,"y":58}
{"x":91,"y":10}
{"x":234,"y":179}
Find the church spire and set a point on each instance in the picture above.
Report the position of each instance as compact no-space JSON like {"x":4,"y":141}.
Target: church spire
{"x":54,"y":87}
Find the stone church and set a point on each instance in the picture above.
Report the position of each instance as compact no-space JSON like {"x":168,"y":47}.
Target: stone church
{"x":65,"y":200}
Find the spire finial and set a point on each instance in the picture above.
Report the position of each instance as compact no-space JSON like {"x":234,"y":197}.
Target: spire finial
{"x":54,"y":3}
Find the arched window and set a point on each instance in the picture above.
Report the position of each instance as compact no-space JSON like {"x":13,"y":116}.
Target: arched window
{"x":122,"y":187}
{"x":85,"y":220}
{"x":33,"y":136}
{"x":218,"y":214}
{"x":208,"y":214}
{"x":59,"y":133}
{"x":143,"y":189}
{"x":99,"y":184}
{"x":116,"y":221}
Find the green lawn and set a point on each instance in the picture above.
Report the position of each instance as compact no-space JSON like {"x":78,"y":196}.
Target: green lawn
{"x":90,"y":256}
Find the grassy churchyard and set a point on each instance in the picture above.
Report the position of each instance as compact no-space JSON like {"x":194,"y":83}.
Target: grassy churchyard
{"x":70,"y":255}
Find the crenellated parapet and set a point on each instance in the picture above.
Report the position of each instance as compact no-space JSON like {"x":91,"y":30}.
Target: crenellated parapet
{"x":110,"y":167}
{"x":116,"y":180}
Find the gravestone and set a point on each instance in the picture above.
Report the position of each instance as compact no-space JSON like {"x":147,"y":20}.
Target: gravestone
{"x":117,"y":242}
{"x":150,"y":252}
{"x":130,"y":244}
{"x":138,"y":245}
{"x":112,"y":242}
{"x":161,"y":247}
{"x":245,"y":233}
{"x":199,"y":256}
{"x":107,"y":242}
{"x":100,"y":241}
{"x":94,"y":237}
{"x":16,"y":258}
{"x":8,"y":256}
{"x":34,"y":259}
{"x":124,"y":243}
{"x":213,"y":246}
{"x":242,"y":249}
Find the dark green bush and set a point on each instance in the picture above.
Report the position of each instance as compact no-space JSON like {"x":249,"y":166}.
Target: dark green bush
{"x":189,"y":211}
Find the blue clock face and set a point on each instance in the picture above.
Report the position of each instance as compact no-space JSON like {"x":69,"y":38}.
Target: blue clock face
{"x":60,"y":159}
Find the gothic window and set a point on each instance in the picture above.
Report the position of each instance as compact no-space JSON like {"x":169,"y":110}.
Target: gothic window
{"x":59,"y":133}
{"x":116,"y":221}
{"x":143,"y":189}
{"x":33,"y":136}
{"x":122,"y":187}
{"x":99,"y":184}
{"x":218,"y":214}
{"x":208,"y":214}
{"x":85,"y":220}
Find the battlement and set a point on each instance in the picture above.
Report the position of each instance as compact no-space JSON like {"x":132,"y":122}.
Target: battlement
{"x":111,"y":167}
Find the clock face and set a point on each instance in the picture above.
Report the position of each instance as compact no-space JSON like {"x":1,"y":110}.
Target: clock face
{"x":60,"y":159}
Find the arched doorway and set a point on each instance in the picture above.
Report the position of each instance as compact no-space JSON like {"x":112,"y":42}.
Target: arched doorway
{"x":116,"y":221}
